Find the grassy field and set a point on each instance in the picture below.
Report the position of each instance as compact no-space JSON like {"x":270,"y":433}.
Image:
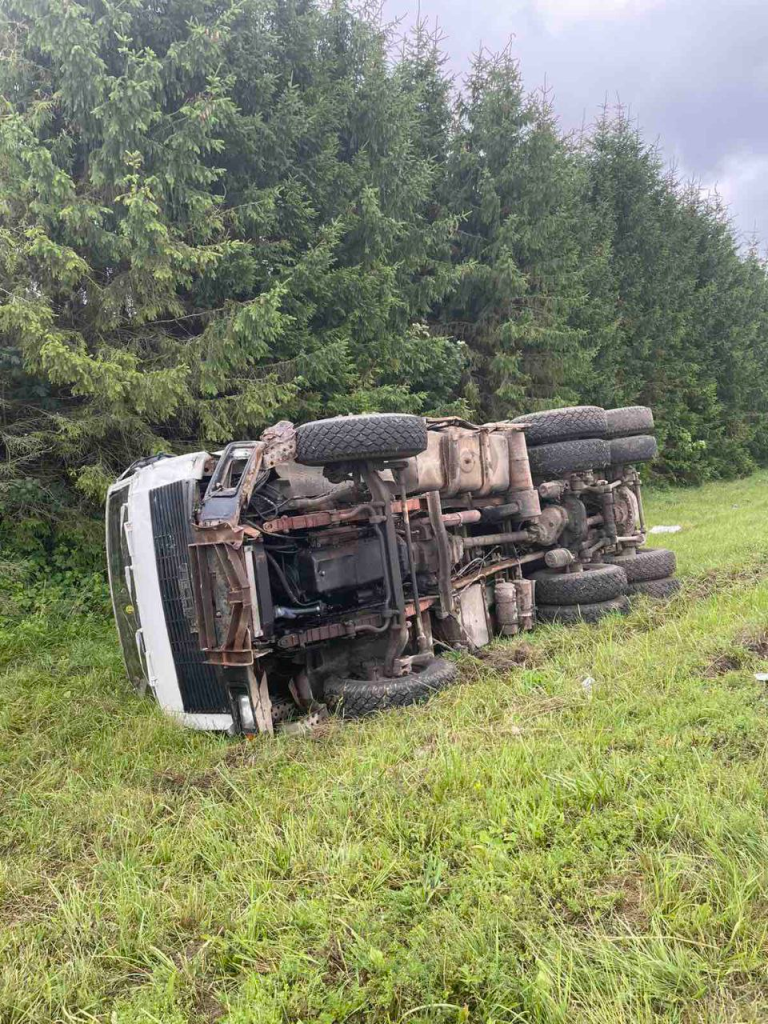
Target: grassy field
{"x":516,"y":850}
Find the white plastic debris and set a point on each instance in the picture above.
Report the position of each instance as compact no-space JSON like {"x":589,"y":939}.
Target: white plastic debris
{"x":586,"y":684}
{"x":665,"y":529}
{"x":761,"y":677}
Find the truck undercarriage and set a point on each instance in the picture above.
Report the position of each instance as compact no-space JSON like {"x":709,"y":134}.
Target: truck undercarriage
{"x":321,"y":567}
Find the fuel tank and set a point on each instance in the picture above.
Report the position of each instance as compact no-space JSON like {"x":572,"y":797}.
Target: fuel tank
{"x":484,"y":461}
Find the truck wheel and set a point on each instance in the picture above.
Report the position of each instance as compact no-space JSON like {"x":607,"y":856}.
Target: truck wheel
{"x":570,"y":613}
{"x":647,"y":564}
{"x":355,"y":438}
{"x":594,"y":583}
{"x":355,"y":698}
{"x":553,"y":460}
{"x":629,"y":420}
{"x":568,"y":424}
{"x":633,"y":449}
{"x":659,"y":589}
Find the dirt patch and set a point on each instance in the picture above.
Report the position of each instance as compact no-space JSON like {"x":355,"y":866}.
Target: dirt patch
{"x":630,"y":906}
{"x":715,"y":580}
{"x":501,"y":659}
{"x":745,"y":1003}
{"x":620,"y":899}
{"x":190,"y":949}
{"x":207,"y":1007}
{"x":333,"y":954}
{"x":746,"y":643}
{"x":175,"y":782}
{"x":18,"y":911}
{"x":721,"y":664}
{"x":169,"y":782}
{"x":755,"y":643}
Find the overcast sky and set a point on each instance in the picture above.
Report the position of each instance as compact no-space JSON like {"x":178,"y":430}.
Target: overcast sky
{"x":694,"y":72}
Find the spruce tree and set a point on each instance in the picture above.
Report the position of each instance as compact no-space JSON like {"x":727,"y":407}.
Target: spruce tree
{"x":213,"y":215}
{"x":689,"y":308}
{"x":513,"y":182}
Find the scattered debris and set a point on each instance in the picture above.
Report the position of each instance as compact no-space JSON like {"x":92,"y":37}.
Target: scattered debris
{"x":761,"y":677}
{"x":312,"y":722}
{"x":665,"y":529}
{"x":586,"y":684}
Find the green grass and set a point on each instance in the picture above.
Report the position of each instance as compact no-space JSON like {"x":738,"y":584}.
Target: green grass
{"x":511,"y":851}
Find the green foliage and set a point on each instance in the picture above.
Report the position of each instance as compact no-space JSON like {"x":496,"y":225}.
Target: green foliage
{"x":51,"y":554}
{"x":212,"y":215}
{"x":511,"y":851}
{"x":689,"y":336}
{"x":217,"y":214}
{"x":512,"y":181}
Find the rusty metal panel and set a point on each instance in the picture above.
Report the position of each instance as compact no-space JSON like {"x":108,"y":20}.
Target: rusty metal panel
{"x":474,"y":615}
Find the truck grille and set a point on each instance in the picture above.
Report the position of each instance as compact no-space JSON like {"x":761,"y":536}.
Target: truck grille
{"x":171,"y":510}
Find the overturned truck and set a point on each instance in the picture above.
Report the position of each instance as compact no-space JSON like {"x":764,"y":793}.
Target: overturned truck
{"x":322,"y":566}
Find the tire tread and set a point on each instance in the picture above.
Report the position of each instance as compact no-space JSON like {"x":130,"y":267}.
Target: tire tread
{"x":647,"y":564}
{"x":641,"y":448}
{"x":593,"y":584}
{"x":659,"y":589}
{"x":567,"y":424}
{"x":356,"y":698}
{"x":554,"y":460}
{"x":629,"y":420}
{"x":573,"y":613}
{"x":351,"y":438}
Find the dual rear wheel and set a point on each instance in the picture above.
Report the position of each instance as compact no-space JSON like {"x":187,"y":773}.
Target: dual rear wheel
{"x":584,"y":437}
{"x":586,"y":595}
{"x":649,"y":571}
{"x":599,"y":589}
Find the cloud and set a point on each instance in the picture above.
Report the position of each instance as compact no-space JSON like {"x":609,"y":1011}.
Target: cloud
{"x":742,"y":181}
{"x":560,"y":15}
{"x":694,"y":72}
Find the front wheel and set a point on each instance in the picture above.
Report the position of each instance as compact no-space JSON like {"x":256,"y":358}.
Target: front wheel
{"x":355,"y":698}
{"x":629,"y":420}
{"x":568,"y":424}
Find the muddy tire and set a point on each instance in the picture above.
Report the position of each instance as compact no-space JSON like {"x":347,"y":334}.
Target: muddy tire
{"x":593,"y":584}
{"x":642,"y":448}
{"x":356,"y":438}
{"x":569,"y":424}
{"x":629,"y":420}
{"x":647,"y":564}
{"x":572,"y":613}
{"x":550,"y":461}
{"x":355,"y":698}
{"x":660,"y":589}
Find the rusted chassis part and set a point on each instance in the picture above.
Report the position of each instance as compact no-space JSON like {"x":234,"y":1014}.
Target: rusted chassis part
{"x":455,"y":527}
